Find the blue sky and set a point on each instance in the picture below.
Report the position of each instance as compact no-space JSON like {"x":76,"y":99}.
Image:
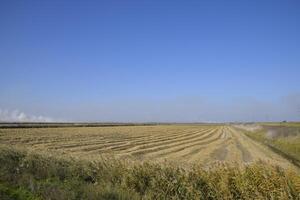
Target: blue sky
{"x":150,"y":60}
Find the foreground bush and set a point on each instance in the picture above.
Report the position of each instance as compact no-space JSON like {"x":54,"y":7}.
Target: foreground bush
{"x":50,"y":177}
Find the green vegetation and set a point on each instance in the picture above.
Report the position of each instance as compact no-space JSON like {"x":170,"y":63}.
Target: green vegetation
{"x":9,"y":192}
{"x":283,"y":124}
{"x":290,"y":145}
{"x":283,"y":139}
{"x":51,"y":177}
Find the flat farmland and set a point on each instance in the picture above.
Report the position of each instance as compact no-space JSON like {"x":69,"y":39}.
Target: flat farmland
{"x":183,"y":144}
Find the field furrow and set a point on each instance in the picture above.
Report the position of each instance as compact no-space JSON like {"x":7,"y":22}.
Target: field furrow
{"x":171,"y":145}
{"x":202,"y":144}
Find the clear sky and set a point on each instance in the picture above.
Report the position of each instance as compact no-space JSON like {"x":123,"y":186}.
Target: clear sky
{"x":150,"y":60}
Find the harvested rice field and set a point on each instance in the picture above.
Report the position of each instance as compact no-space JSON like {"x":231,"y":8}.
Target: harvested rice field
{"x":181,"y":144}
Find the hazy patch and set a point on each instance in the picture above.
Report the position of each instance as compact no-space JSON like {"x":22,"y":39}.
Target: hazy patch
{"x":17,"y":116}
{"x":282,"y":131}
{"x":156,"y":109}
{"x":272,"y":133}
{"x":249,"y":127}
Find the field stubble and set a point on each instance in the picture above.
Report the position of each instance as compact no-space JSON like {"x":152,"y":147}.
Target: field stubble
{"x":181,"y":144}
{"x":142,"y":162}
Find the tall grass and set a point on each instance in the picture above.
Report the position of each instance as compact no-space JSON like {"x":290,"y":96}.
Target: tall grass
{"x":50,"y":177}
{"x":283,"y":139}
{"x":290,"y":145}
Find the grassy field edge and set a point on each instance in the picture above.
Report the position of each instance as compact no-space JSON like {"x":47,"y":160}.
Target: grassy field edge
{"x":50,"y":177}
{"x":259,"y":136}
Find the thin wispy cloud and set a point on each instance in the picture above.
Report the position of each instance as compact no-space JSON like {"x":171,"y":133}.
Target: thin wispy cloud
{"x":18,"y":116}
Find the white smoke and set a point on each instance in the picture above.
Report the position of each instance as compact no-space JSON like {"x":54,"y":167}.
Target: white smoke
{"x":249,"y":127}
{"x":17,"y":116}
